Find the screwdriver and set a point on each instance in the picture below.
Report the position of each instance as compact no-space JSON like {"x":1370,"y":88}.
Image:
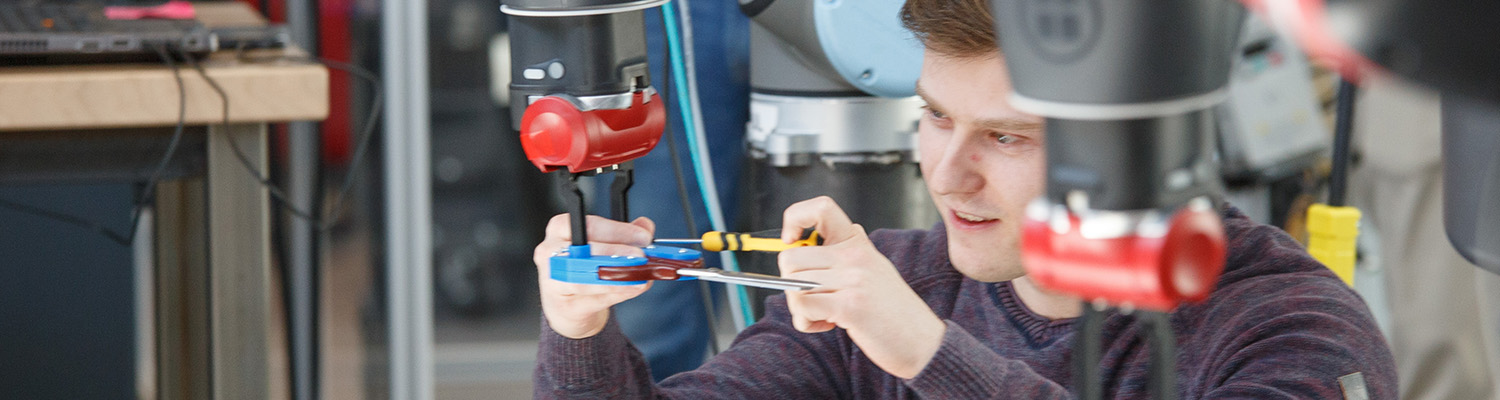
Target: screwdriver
{"x":768,"y":240}
{"x":748,"y":279}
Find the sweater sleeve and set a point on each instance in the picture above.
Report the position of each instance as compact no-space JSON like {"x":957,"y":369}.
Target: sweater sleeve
{"x":964,"y":368}
{"x":1313,"y":338}
{"x":601,"y":366}
{"x":769,"y":360}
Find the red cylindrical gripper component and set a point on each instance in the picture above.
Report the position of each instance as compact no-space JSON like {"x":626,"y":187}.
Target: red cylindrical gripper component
{"x":555,"y":134}
{"x":1153,"y":273}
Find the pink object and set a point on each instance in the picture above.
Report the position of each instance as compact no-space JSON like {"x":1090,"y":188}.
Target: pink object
{"x":175,"y":9}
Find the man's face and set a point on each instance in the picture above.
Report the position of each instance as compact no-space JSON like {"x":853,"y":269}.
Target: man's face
{"x":983,"y":162}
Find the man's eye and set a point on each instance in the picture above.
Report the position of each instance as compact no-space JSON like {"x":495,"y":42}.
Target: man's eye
{"x":936,"y":114}
{"x":1005,"y":139}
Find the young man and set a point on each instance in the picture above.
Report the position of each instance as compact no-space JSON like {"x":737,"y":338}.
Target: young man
{"x":949,"y":313}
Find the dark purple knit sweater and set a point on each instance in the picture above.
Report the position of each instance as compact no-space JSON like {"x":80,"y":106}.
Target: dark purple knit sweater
{"x":1279,"y":326}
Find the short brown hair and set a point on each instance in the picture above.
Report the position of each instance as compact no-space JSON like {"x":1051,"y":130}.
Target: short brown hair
{"x":955,"y":28}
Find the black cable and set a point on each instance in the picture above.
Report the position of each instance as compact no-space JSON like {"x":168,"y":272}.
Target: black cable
{"x":67,"y":219}
{"x":704,"y":291}
{"x":708,"y":312}
{"x":1343,"y":127}
{"x":148,"y":194}
{"x":682,"y":190}
{"x":359,"y":152}
{"x":377,"y":97}
{"x":234,"y":145}
{"x":687,"y":215}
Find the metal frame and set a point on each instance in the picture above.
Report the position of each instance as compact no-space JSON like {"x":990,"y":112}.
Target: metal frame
{"x":302,"y":249}
{"x":239,"y":251}
{"x":408,"y":199}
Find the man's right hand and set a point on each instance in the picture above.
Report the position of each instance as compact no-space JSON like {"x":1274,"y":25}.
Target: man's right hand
{"x":578,"y":311}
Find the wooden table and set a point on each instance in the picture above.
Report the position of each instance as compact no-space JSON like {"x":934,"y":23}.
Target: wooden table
{"x":212,"y":225}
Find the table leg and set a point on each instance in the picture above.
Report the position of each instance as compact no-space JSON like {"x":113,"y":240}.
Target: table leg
{"x":182,"y":354}
{"x":238,"y":264}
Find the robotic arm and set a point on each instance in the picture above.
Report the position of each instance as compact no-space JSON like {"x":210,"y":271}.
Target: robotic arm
{"x":1124,"y":85}
{"x":583,"y":100}
{"x":1127,"y":88}
{"x":581,"y":94}
{"x":1451,"y":46}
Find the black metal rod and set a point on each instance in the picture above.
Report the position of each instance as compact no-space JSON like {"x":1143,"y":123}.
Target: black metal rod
{"x":619,"y":192}
{"x":578,"y":212}
{"x":304,"y":187}
{"x":1162,"y":380}
{"x":1343,"y":130}
{"x":1087,"y":340}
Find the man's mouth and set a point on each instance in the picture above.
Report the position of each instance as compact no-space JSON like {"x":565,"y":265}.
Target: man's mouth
{"x":972,"y":221}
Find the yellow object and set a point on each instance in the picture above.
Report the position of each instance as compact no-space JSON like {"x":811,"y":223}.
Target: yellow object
{"x":758,"y":241}
{"x":1331,"y":236}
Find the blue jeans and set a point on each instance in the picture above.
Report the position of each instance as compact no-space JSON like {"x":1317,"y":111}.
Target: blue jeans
{"x":667,"y":323}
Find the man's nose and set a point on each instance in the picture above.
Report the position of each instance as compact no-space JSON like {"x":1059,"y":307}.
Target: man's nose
{"x":958,"y":171}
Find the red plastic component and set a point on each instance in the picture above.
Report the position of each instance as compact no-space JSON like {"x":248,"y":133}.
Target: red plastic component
{"x":556,"y":134}
{"x":655,"y":269}
{"x":1148,"y":273}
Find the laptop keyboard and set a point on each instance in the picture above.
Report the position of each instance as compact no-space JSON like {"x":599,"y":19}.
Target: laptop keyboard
{"x":43,"y":18}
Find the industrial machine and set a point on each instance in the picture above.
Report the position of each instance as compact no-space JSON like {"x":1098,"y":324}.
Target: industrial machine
{"x":832,"y":113}
{"x":832,"y":106}
{"x":1124,"y":85}
{"x":1128,"y":87}
{"x":1450,"y":47}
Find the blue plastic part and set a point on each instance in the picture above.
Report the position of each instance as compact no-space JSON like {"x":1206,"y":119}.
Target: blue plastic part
{"x":588,"y":278}
{"x":867,"y":45}
{"x":672,"y":253}
{"x":701,"y":167}
{"x":579,"y":265}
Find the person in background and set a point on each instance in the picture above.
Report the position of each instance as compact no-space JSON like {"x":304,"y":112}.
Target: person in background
{"x":667,"y":323}
{"x":1445,"y":312}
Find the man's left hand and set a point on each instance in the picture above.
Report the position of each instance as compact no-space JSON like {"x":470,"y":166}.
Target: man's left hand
{"x":861,"y":291}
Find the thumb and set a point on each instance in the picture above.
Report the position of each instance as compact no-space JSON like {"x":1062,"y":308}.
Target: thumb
{"x":646,"y":223}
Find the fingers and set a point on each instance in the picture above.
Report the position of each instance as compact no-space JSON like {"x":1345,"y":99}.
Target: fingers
{"x":798,"y":259}
{"x":645,"y":223}
{"x":626,"y":293}
{"x":580,"y":310}
{"x":828,"y":280}
{"x":611,"y":249}
{"x":819,"y":213}
{"x":812,"y":312}
{"x":817,"y":310}
{"x":600,"y":229}
{"x":552,"y":246}
{"x":588,"y":296}
{"x":824,"y":257}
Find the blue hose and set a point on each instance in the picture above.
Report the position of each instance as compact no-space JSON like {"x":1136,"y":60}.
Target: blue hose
{"x":701,"y":168}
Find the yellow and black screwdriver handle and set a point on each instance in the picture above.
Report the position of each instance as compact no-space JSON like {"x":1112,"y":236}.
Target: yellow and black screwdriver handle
{"x":769,"y":241}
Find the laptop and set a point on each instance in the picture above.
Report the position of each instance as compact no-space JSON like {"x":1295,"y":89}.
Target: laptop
{"x":40,"y":32}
